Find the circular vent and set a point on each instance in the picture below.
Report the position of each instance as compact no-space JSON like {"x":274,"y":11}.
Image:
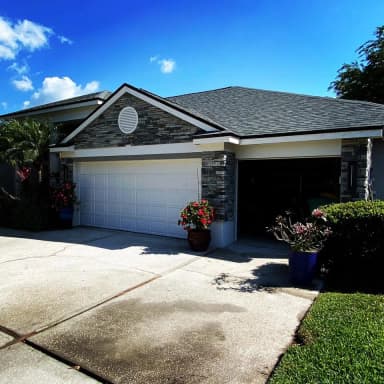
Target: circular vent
{"x":128,"y":120}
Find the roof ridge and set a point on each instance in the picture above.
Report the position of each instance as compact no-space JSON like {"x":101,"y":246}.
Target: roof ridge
{"x":194,"y":93}
{"x":333,"y":99}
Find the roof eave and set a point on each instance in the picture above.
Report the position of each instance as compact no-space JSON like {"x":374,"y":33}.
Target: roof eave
{"x":329,"y":134}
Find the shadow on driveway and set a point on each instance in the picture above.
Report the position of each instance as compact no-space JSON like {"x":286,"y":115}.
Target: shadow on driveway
{"x":105,"y":239}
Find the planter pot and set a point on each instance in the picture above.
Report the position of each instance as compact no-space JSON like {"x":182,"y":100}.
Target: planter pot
{"x":66,"y":216}
{"x":302,"y":267}
{"x":199,"y":239}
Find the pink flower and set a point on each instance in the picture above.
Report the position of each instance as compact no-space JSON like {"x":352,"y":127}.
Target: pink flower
{"x":317,"y":213}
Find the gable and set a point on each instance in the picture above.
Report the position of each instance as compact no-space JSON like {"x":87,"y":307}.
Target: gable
{"x":154,"y":100}
{"x":155,"y":126}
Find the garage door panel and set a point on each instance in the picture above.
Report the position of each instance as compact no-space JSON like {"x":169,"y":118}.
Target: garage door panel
{"x":128,"y":209}
{"x":113,"y":220}
{"x":142,"y":196}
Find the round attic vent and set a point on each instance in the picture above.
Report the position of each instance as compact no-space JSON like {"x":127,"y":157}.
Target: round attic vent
{"x":128,"y":120}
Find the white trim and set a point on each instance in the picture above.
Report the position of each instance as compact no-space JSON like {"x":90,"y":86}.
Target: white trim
{"x":219,"y":139}
{"x":47,"y":110}
{"x":147,"y":99}
{"x":62,"y":149}
{"x":157,"y":149}
{"x":294,"y":150}
{"x":314,"y":136}
{"x":372,"y":133}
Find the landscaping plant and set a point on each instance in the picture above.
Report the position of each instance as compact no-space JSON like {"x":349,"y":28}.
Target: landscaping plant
{"x":302,"y":237}
{"x":197,"y":215}
{"x":353,"y":258}
{"x":63,"y":196}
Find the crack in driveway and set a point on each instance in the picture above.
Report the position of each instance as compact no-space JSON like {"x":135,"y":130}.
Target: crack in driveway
{"x":36,"y":257}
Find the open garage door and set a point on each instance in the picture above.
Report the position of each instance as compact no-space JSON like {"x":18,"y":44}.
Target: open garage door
{"x":141,"y":196}
{"x":270,"y":187}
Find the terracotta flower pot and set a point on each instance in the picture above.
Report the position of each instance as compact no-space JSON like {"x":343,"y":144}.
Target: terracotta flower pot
{"x":199,"y":239}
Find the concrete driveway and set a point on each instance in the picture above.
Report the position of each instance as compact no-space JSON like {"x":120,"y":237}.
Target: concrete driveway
{"x":90,"y":305}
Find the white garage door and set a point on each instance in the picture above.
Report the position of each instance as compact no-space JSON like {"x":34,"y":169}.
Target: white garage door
{"x":141,"y":196}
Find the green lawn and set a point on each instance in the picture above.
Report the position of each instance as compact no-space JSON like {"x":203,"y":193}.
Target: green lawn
{"x":341,"y":341}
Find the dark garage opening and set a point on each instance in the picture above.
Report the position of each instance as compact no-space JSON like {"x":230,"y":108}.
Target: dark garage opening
{"x":267,"y":188}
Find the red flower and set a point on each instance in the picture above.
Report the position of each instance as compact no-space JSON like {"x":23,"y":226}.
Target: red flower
{"x":197,"y":214}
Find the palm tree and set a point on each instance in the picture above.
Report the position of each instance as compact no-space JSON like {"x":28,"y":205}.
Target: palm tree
{"x":24,"y":145}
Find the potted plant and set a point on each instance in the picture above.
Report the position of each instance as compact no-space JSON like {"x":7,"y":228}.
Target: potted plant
{"x":63,"y":198}
{"x":305,"y":240}
{"x":196,"y":218}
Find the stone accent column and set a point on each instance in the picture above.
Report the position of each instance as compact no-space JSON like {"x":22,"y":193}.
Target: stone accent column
{"x":66,"y":170}
{"x":355,"y":169}
{"x":218,"y":183}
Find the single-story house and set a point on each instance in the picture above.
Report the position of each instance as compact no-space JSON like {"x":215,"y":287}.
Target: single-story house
{"x":138,"y":158}
{"x":66,"y":115}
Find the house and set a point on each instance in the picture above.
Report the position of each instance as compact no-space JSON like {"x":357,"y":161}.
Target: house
{"x":66,"y":115}
{"x":138,"y":158}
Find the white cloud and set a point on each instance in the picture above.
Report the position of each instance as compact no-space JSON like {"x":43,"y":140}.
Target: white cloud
{"x":153,"y":58}
{"x":20,"y":69}
{"x":24,"y":84}
{"x":21,"y":35}
{"x":167,"y":65}
{"x":64,"y":40}
{"x":26,"y":104}
{"x":4,"y":104}
{"x":7,"y":34}
{"x":6,"y":53}
{"x":32,"y":35}
{"x":59,"y":88}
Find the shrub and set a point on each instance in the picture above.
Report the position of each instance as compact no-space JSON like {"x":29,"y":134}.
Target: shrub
{"x":353,"y":256}
{"x":197,"y":215}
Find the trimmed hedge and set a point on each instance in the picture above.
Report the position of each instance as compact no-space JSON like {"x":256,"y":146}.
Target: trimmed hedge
{"x":353,"y":256}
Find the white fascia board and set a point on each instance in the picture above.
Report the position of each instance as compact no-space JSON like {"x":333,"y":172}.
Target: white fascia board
{"x":62,"y":108}
{"x":219,"y":139}
{"x":62,"y":149}
{"x":313,"y":137}
{"x":149,"y":100}
{"x":140,"y":150}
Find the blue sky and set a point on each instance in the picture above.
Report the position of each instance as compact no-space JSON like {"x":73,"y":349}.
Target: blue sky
{"x":59,"y":49}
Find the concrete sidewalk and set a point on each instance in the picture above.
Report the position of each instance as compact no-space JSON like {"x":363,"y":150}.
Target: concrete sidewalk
{"x":143,"y":309}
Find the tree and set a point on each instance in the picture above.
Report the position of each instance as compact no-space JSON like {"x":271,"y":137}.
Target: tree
{"x":24,"y":145}
{"x":363,"y":79}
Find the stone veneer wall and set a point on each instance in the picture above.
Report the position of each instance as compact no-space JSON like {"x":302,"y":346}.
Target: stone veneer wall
{"x":356,"y":153}
{"x":218,"y":183}
{"x":155,"y":126}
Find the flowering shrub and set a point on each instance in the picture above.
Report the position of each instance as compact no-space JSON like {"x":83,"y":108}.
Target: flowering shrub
{"x":197,"y":215}
{"x":302,"y":237}
{"x":23,"y":173}
{"x":63,"y":196}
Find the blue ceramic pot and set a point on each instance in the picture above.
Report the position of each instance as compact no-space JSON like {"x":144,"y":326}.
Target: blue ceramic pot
{"x":302,"y":267}
{"x":66,"y":216}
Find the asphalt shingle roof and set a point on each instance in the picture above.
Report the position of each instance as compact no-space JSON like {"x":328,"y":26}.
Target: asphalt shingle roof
{"x":254,"y":112}
{"x":103,"y":95}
